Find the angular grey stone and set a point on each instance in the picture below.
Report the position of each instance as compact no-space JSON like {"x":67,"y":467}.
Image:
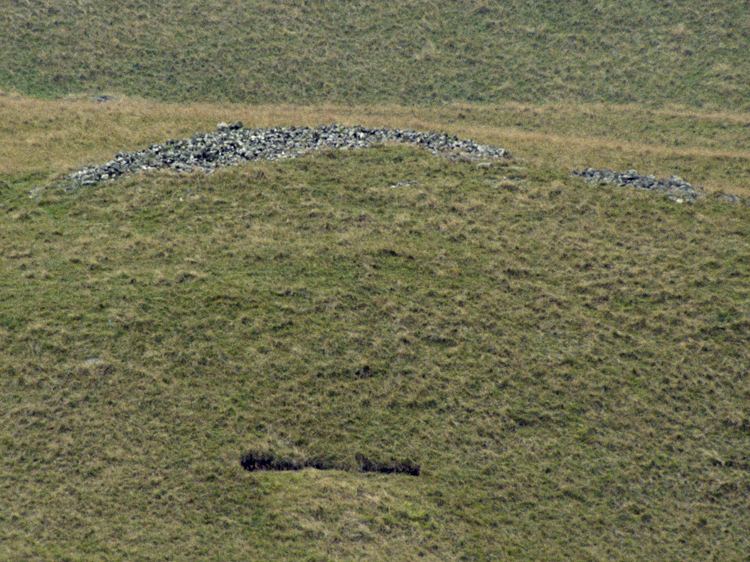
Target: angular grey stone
{"x":674,"y":187}
{"x":233,"y":144}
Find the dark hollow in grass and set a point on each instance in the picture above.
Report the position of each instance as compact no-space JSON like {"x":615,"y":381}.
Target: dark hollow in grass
{"x":255,"y":460}
{"x":261,"y":460}
{"x":390,"y":467}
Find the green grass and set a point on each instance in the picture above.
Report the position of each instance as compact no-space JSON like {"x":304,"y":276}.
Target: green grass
{"x":689,"y":53}
{"x":568,"y":364}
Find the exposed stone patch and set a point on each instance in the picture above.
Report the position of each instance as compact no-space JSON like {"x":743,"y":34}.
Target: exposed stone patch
{"x":388,"y":467}
{"x":676,"y":188}
{"x":729,"y":198}
{"x":232,"y":144}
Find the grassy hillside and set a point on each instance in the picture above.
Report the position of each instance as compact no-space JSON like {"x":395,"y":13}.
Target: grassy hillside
{"x":690,"y":53}
{"x":568,"y":364}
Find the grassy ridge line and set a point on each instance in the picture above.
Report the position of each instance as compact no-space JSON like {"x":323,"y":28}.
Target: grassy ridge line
{"x":45,"y":138}
{"x":420,"y":51}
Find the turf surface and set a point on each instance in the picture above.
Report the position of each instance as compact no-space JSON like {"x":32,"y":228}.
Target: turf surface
{"x":566,"y":363}
{"x":636,"y":51}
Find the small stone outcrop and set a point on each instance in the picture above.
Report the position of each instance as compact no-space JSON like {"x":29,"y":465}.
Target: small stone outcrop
{"x":676,"y":188}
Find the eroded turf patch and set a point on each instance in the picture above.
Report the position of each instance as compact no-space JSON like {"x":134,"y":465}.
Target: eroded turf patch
{"x":254,"y":461}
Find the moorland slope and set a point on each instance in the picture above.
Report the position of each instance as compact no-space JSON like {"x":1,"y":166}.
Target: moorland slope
{"x":689,"y":53}
{"x":566,"y":363}
{"x":559,"y":369}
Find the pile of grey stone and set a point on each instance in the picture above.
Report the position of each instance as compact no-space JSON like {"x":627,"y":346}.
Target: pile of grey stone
{"x":674,"y":187}
{"x":232,"y":144}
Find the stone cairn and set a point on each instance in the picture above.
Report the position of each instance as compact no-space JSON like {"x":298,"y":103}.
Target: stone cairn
{"x":675,"y":187}
{"x":232,"y":144}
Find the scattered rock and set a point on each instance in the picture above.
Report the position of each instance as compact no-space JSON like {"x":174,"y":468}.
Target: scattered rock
{"x":232,"y":143}
{"x":390,"y":467}
{"x":675,"y":188}
{"x":729,"y":198}
{"x":403,"y":183}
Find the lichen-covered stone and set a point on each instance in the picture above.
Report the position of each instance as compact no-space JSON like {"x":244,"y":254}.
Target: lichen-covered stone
{"x":674,"y":187}
{"x":232,"y":143}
